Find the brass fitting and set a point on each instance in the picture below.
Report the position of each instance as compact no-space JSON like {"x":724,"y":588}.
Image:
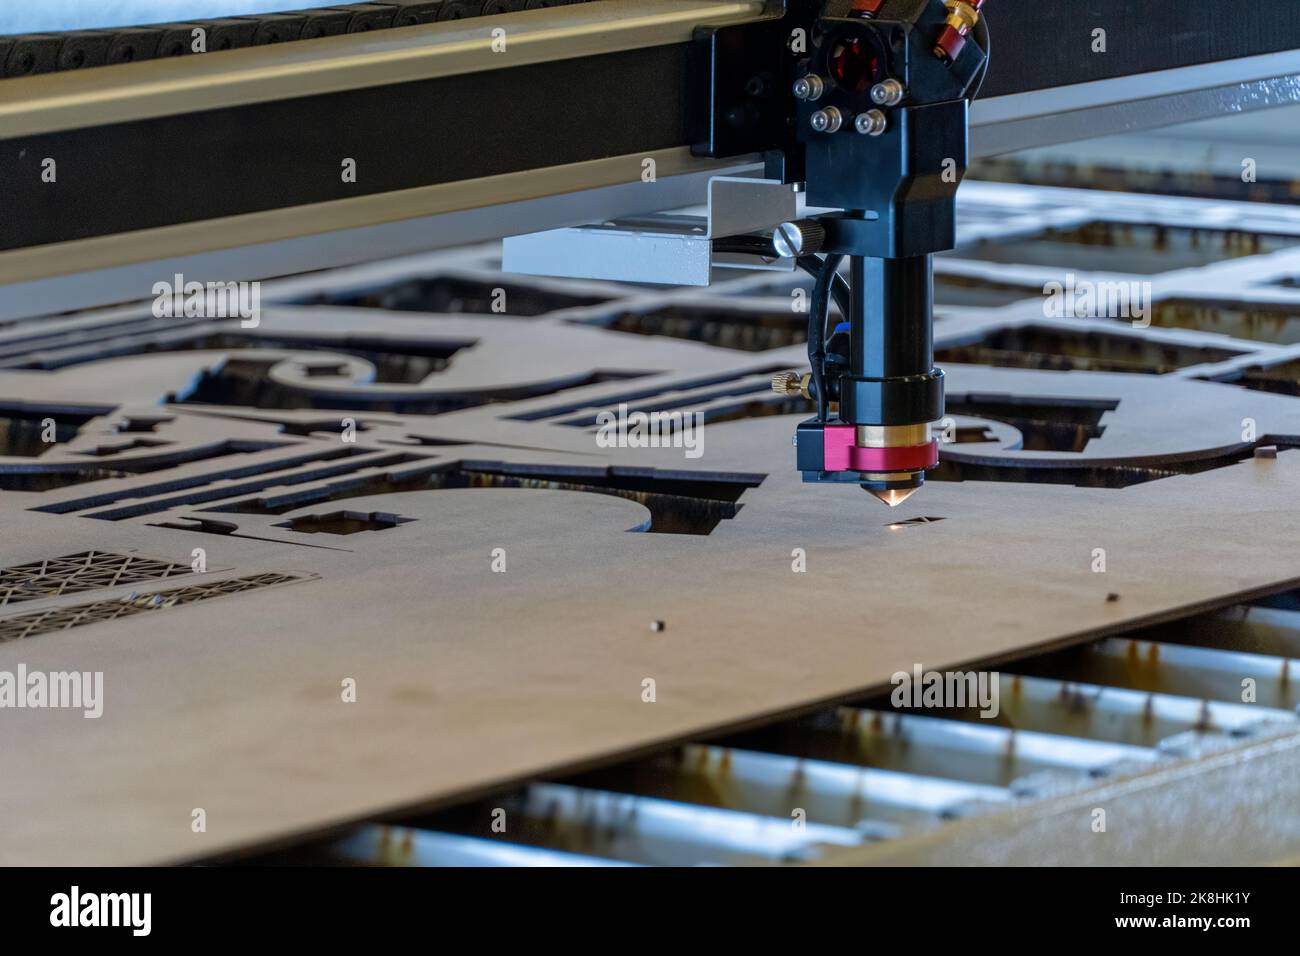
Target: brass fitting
{"x":962,"y":17}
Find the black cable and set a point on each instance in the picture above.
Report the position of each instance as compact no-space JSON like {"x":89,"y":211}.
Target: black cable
{"x":821,"y":306}
{"x":839,"y":291}
{"x":982,"y":38}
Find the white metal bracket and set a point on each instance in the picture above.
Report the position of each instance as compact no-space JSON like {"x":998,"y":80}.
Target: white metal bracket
{"x":669,"y":248}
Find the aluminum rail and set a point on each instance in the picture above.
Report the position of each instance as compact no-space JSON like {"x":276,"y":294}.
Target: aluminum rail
{"x":188,"y":85}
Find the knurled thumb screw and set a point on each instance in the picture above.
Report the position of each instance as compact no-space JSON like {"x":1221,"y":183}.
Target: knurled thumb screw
{"x":791,"y":383}
{"x":800,"y":237}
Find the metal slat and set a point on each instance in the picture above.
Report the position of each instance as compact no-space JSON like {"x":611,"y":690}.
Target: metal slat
{"x":837,"y":794}
{"x":1119,"y":715}
{"x":659,"y":832}
{"x":378,"y":845}
{"x":981,"y":752}
{"x":1183,"y":670}
{"x":1249,"y":628}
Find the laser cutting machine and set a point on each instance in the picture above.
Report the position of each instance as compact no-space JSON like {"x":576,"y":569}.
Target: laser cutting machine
{"x":642,"y":143}
{"x":570,"y":129}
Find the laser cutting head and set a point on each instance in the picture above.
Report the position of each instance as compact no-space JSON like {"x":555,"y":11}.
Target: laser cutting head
{"x":882,"y":111}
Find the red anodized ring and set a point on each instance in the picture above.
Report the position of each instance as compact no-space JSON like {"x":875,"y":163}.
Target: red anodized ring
{"x":841,"y":453}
